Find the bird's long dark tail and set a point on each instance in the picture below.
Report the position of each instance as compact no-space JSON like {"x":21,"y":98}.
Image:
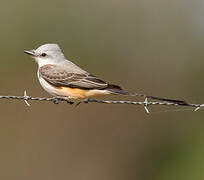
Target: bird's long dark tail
{"x":114,"y":89}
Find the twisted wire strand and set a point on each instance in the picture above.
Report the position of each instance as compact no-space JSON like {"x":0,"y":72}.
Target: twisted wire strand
{"x":55,"y":100}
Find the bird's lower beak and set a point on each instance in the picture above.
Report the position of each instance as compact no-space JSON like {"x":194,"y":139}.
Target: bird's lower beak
{"x":31,"y":52}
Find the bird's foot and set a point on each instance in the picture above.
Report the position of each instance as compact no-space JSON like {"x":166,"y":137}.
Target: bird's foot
{"x":56,"y":100}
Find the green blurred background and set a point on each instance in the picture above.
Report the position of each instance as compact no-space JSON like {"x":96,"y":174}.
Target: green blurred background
{"x":154,"y":47}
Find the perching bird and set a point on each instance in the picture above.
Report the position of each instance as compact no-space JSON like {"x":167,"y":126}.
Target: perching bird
{"x":63,"y":79}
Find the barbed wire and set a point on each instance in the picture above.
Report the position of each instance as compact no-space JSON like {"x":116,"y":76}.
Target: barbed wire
{"x":144,"y":103}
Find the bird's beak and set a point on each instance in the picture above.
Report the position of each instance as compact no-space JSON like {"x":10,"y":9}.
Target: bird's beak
{"x":30,"y":52}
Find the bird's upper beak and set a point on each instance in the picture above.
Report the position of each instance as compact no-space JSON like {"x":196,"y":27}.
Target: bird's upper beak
{"x":30,"y":52}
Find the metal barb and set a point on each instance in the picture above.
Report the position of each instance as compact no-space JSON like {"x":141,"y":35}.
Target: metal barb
{"x":26,"y":98}
{"x":145,"y":105}
{"x":77,"y":104}
{"x":198,"y":108}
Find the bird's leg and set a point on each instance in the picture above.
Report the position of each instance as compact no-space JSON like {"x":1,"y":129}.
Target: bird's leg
{"x":84,"y":101}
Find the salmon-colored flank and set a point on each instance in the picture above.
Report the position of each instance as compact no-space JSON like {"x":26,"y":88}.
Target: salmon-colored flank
{"x":76,"y":93}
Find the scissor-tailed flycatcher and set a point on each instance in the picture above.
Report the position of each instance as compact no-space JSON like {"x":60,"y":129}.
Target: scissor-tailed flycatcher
{"x":62,"y":78}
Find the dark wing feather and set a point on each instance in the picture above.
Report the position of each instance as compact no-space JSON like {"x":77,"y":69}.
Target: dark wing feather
{"x":59,"y":76}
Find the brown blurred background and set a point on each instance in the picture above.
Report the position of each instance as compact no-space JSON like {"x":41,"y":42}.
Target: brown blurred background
{"x":154,"y":47}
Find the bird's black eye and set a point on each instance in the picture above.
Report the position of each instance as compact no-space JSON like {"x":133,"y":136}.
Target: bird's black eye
{"x":43,"y":54}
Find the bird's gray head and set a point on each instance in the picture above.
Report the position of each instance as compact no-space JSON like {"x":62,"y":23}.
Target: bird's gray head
{"x":47,"y":54}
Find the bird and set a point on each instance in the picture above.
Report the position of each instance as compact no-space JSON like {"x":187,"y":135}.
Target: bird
{"x":63,"y":79}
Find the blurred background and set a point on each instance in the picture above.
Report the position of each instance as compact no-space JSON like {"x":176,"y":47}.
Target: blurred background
{"x":154,"y":47}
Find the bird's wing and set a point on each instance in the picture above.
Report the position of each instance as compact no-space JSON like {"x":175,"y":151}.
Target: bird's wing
{"x":60,"y":76}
